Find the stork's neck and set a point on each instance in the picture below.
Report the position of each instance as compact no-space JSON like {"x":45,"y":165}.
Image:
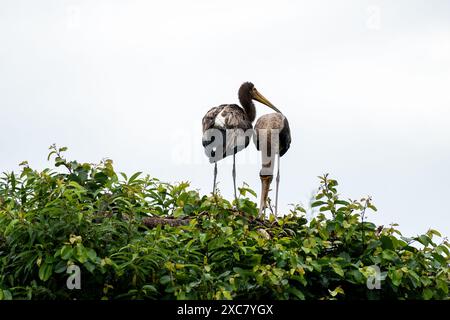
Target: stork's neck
{"x":249,"y":107}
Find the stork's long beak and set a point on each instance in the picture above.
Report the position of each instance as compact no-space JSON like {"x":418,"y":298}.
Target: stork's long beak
{"x":259,"y":97}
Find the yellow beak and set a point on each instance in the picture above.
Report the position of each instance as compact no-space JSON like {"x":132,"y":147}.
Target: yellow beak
{"x":260,"y":98}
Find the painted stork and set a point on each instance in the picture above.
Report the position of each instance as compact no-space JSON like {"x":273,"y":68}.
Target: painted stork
{"x":273,"y":137}
{"x":227,"y":129}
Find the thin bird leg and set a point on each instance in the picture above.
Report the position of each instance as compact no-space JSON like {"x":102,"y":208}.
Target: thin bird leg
{"x":265,"y":185}
{"x":215,"y":177}
{"x":277,"y":184}
{"x":234,"y":178}
{"x":262,"y":203}
{"x":262,"y":208}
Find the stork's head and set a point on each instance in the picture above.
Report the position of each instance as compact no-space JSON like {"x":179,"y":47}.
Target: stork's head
{"x":248,"y":92}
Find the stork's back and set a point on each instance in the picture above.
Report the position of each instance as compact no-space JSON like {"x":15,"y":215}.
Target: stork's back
{"x":272,"y":133}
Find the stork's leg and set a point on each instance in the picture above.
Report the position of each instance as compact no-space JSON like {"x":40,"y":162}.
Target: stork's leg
{"x":262,"y":208}
{"x":234,"y":178}
{"x":265,"y":185}
{"x":215,"y":177}
{"x":277,"y":184}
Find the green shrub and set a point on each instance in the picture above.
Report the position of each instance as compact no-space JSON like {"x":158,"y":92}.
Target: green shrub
{"x":92,"y":217}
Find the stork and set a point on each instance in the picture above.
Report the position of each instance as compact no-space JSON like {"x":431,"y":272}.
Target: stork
{"x":272,"y":138}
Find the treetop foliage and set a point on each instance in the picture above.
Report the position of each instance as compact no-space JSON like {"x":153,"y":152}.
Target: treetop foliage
{"x":90,"y":216}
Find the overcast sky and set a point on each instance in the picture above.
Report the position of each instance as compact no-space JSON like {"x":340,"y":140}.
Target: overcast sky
{"x":364,"y":84}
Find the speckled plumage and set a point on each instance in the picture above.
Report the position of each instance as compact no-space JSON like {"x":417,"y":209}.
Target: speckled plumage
{"x":233,"y":122}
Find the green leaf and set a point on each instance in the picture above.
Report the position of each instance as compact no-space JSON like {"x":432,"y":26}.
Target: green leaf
{"x":134,"y":177}
{"x":389,"y":255}
{"x":5,"y":295}
{"x":427,"y":294}
{"x":338,"y":269}
{"x":443,"y":285}
{"x":45,"y":271}
{"x":60,"y":267}
{"x":319,"y":196}
{"x":50,"y":155}
{"x":317,"y":203}
{"x":356,"y":276}
{"x":342,"y":202}
{"x":91,"y":254}
{"x":414,"y":278}
{"x":336,"y":291}
{"x":244,"y":190}
{"x":178,"y":212}
{"x":66,"y":252}
{"x":149,"y":287}
{"x":432,"y":232}
{"x":101,"y":178}
{"x":387,"y":242}
{"x":442,"y":249}
{"x":297,"y":293}
{"x":425,"y":240}
{"x":89,"y":266}
{"x":165,"y":279}
{"x":396,"y":277}
{"x":81,"y":253}
{"x":227,"y":295}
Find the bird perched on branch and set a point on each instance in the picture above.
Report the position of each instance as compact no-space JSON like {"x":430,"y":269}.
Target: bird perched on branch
{"x":227,"y":129}
{"x":272,"y":138}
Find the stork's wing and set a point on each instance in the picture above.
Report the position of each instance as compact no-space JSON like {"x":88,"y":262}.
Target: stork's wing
{"x":210,"y":117}
{"x":264,"y":126}
{"x":236,"y":124}
{"x":208,"y":122}
{"x":232,"y":122}
{"x":234,"y":117}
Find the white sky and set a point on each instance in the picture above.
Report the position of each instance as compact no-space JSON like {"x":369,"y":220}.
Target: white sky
{"x":365,"y":85}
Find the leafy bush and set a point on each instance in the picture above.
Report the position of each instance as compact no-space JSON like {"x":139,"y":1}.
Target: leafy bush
{"x":92,"y":217}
